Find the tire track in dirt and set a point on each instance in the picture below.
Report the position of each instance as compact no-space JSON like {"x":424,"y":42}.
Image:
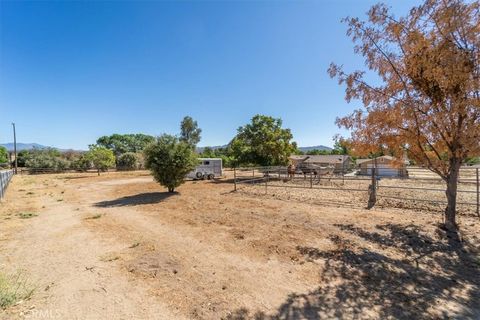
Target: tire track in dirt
{"x":192,"y":272}
{"x":64,"y":259}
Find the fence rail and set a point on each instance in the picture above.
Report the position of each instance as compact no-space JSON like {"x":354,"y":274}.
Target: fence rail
{"x":5,"y":177}
{"x":53,"y":170}
{"x":412,"y":190}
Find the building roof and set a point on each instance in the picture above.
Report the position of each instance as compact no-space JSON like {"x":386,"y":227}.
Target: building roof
{"x":329,"y":158}
{"x":360,"y":161}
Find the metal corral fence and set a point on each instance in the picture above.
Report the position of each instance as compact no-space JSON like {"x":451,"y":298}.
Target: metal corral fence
{"x":421,"y":189}
{"x":5,"y":177}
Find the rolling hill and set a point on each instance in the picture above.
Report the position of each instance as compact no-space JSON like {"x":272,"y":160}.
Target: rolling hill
{"x":23,"y":146}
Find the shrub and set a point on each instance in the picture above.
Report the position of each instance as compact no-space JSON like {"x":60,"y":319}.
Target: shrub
{"x":82,"y":163}
{"x":3,"y":155}
{"x":169,"y":160}
{"x":13,"y":288}
{"x":128,"y":161}
{"x":101,"y":158}
{"x":22,"y":157}
{"x":47,"y":158}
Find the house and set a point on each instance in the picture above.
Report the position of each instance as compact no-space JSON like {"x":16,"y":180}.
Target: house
{"x":341,"y":163}
{"x":386,"y":166}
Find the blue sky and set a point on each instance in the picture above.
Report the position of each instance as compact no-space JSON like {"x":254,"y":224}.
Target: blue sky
{"x":72,"y":71}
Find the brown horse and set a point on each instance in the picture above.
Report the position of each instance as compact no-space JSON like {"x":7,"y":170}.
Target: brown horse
{"x":291,"y":170}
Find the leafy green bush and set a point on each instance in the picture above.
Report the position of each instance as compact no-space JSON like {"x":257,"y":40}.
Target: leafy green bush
{"x":22,"y":157}
{"x":128,"y":161}
{"x":82,"y":163}
{"x":472,"y":161}
{"x":228,"y":160}
{"x":170,"y":160}
{"x":46,"y":158}
{"x":3,"y":155}
{"x":101,"y":158}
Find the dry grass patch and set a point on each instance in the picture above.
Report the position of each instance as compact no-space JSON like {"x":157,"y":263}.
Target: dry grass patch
{"x":14,"y":288}
{"x":27,"y":215}
{"x":96,"y":216}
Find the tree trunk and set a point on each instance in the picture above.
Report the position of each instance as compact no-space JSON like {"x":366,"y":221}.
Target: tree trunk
{"x":451,"y":193}
{"x":171,"y":189}
{"x":98,"y":171}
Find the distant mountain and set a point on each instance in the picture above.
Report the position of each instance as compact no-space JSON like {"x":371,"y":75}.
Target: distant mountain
{"x":320,"y":147}
{"x":200,"y":149}
{"x":23,"y":146}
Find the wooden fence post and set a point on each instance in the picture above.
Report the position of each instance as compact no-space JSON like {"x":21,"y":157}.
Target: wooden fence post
{"x":478,"y":194}
{"x":266,"y":183}
{"x":234,"y":179}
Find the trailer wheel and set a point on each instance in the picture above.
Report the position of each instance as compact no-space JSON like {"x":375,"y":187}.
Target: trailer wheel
{"x":199,"y":175}
{"x":210,"y":176}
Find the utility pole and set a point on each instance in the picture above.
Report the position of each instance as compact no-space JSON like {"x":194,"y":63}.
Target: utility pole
{"x":15,"y":147}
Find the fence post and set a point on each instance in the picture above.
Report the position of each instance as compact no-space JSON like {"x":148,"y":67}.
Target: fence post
{"x":372,"y":191}
{"x":478,"y":194}
{"x":1,"y":185}
{"x":234,"y":179}
{"x":311,"y":181}
{"x":253,"y":172}
{"x":266,"y":183}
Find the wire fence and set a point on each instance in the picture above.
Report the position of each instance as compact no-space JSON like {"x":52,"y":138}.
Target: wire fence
{"x":23,"y":171}
{"x":420,"y":189}
{"x":5,"y":177}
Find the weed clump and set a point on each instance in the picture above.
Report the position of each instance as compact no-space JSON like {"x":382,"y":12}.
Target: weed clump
{"x":14,"y":288}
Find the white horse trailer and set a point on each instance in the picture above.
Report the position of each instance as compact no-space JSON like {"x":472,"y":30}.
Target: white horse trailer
{"x":208,"y":168}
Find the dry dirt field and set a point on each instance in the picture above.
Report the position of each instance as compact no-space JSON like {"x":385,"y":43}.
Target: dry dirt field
{"x":118,"y":247}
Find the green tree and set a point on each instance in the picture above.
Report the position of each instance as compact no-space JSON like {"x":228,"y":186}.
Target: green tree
{"x":81,"y":163}
{"x":170,"y":160}
{"x":3,"y":154}
{"x":223,"y":153}
{"x":208,"y":152}
{"x":128,"y":161}
{"x":319,"y":152}
{"x":122,"y":143}
{"x":49,"y":158}
{"x":263,"y":142}
{"x":189,"y":131}
{"x":22,"y":157}
{"x":472,"y":161}
{"x":340,"y":146}
{"x":101,"y":158}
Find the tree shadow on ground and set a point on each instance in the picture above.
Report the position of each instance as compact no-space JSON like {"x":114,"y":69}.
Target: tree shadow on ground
{"x":399,"y":272}
{"x":135,"y":200}
{"x":224,"y":181}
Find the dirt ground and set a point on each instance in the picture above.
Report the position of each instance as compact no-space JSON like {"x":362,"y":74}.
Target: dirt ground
{"x":119,"y":247}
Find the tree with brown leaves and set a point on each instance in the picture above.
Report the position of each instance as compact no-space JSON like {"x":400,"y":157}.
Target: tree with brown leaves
{"x":426,"y":99}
